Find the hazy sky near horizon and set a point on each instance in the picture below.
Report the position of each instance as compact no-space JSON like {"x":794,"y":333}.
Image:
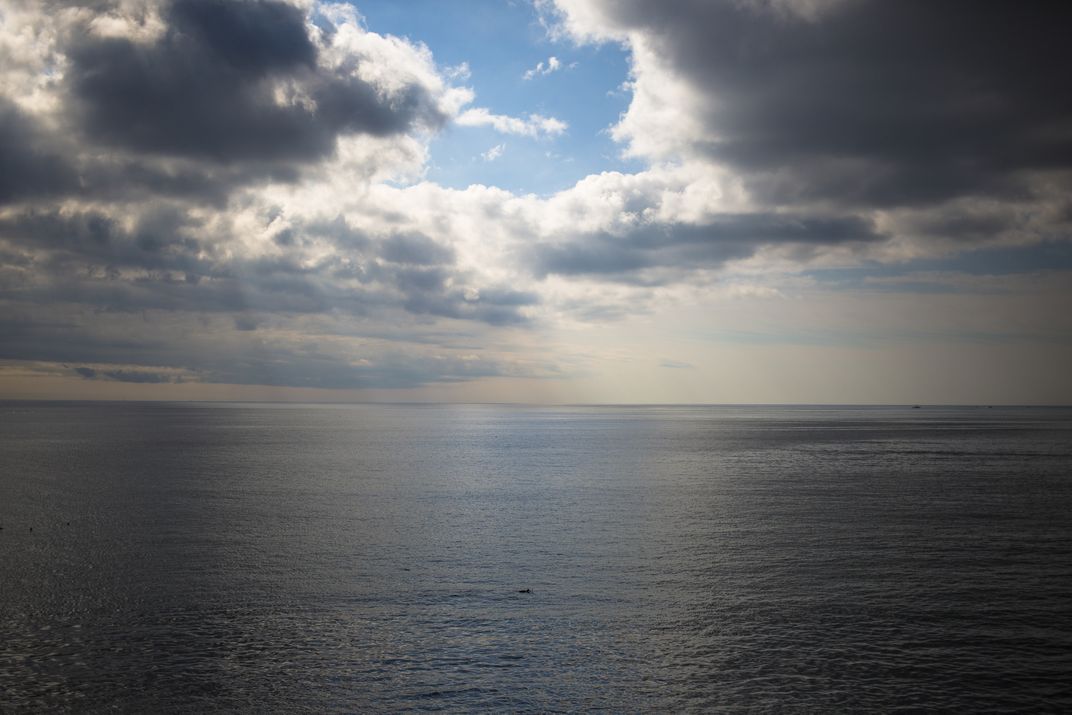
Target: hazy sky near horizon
{"x":549,"y":201}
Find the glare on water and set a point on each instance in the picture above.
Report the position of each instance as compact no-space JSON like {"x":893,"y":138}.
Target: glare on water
{"x":385,"y":557}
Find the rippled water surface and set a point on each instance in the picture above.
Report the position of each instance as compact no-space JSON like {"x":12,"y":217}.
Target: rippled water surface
{"x":162,"y":557}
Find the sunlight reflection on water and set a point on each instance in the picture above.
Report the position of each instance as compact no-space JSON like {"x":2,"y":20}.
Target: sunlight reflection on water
{"x":373,"y":557}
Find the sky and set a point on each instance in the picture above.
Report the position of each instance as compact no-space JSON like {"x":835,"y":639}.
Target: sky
{"x":546,"y":201}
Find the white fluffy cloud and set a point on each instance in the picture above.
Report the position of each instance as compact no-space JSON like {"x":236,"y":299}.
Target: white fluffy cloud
{"x":535,"y":125}
{"x":494,"y":153}
{"x":553,"y":64}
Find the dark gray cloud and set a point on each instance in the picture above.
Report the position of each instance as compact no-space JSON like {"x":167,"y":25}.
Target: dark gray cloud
{"x":205,"y":89}
{"x":417,"y":250}
{"x":89,"y":346}
{"x":869,"y":102}
{"x":683,"y":247}
{"x":29,"y":169}
{"x":64,"y":336}
{"x":69,"y":243}
{"x":136,"y":376}
{"x":495,"y":306}
{"x":246,"y":322}
{"x":39,"y":166}
{"x":253,"y":37}
{"x":195,"y":113}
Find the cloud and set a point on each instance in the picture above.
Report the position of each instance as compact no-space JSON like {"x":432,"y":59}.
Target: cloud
{"x":170,"y":260}
{"x":868,"y":104}
{"x":686,"y":247}
{"x":460,"y":71}
{"x":181,"y":160}
{"x":543,"y":68}
{"x":536,"y":125}
{"x":234,"y":82}
{"x":196,"y":99}
{"x":31,"y":169}
{"x":245,"y":322}
{"x":415,"y":250}
{"x":941,"y":127}
{"x":494,"y":153}
{"x":136,"y":376}
{"x":327,"y":353}
{"x":237,"y":191}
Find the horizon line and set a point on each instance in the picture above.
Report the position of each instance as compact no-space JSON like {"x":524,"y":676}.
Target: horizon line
{"x":909,"y":405}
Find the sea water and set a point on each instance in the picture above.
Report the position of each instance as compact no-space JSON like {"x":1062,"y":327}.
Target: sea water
{"x":203,"y":557}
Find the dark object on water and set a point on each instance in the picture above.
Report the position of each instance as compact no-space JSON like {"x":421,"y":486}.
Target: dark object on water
{"x":525,"y":590}
{"x":915,"y":407}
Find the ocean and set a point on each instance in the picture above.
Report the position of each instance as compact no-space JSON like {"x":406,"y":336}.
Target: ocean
{"x":379,"y":558}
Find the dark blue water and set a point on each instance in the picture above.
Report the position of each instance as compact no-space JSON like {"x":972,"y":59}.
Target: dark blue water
{"x":371,"y":558}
